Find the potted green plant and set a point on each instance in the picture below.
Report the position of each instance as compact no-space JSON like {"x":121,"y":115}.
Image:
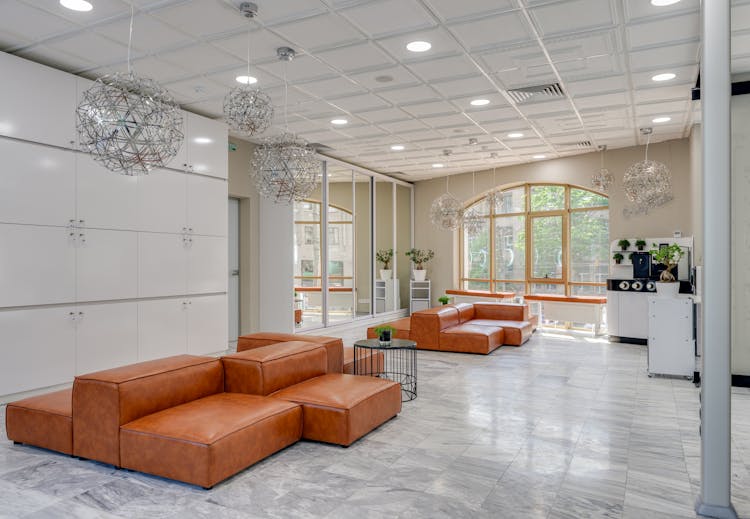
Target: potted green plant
{"x":617,"y":257}
{"x":640,"y":243}
{"x":669,"y":256}
{"x":623,"y":244}
{"x":444,"y":299}
{"x":384,"y":334}
{"x":385,"y":256}
{"x":420,"y":257}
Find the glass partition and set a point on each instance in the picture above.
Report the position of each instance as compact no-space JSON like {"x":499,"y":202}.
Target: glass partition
{"x":387,"y":293}
{"x":403,"y":242}
{"x":363,"y":256}
{"x":340,"y":243}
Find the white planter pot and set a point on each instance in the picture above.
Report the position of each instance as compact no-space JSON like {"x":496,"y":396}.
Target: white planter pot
{"x":667,"y":289}
{"x":420,"y":275}
{"x":386,"y":274}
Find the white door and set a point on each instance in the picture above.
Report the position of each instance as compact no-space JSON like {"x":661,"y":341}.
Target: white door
{"x":38,"y":348}
{"x":37,"y":265}
{"x":207,"y":264}
{"x":207,"y":324}
{"x":207,"y":205}
{"x":162,"y":264}
{"x":37,"y":184}
{"x":234,"y":270}
{"x":106,"y":200}
{"x":161,"y":201}
{"x":207,"y":146}
{"x":106,"y":265}
{"x":162,"y":326}
{"x":106,"y":336}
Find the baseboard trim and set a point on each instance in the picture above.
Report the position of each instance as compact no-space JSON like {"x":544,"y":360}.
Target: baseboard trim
{"x":741,"y":380}
{"x":628,"y":340}
{"x":717,"y":511}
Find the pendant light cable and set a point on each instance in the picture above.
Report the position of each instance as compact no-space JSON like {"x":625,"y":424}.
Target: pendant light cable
{"x":130,"y":34}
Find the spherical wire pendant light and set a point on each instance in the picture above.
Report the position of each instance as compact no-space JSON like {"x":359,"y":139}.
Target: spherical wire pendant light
{"x":446,"y":211}
{"x":602,"y":180}
{"x":474,"y":222}
{"x":128,"y":123}
{"x":648,"y":184}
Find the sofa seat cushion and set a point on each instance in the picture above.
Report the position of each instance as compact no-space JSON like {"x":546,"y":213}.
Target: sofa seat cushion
{"x":43,"y":421}
{"x":516,"y":332}
{"x":205,"y":441}
{"x":370,"y":362}
{"x":469,"y":338}
{"x":402,"y":327}
{"x":340,"y":408}
{"x":333,"y":345}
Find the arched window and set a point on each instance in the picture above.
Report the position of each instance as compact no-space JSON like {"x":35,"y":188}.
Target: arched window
{"x":538,"y":239}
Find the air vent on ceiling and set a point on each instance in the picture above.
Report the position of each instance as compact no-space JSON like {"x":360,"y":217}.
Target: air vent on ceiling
{"x":536,"y":93}
{"x":579,"y":144}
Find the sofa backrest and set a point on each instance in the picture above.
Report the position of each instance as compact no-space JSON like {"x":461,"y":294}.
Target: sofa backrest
{"x":105,"y":400}
{"x":501,"y":311}
{"x":427,"y":324}
{"x":334,"y":345}
{"x":261,"y":371}
{"x":465,"y":311}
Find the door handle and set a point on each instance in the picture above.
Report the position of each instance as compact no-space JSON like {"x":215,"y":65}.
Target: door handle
{"x":235,"y":272}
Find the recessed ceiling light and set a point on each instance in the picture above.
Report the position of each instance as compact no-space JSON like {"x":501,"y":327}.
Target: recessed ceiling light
{"x":515,"y":135}
{"x":77,"y":5}
{"x":438,"y":165}
{"x":662,"y":3}
{"x":419,"y":46}
{"x":480,"y":102}
{"x":540,"y":156}
{"x":246,"y":80}
{"x":202,"y":140}
{"x":663,"y":77}
{"x":339,"y":122}
{"x":658,"y":120}
{"x":398,"y":147}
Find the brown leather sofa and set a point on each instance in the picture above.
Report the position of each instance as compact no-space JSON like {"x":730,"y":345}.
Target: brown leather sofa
{"x":200,"y":419}
{"x":468,"y":327}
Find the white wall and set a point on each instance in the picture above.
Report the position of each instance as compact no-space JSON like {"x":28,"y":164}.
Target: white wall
{"x":740,"y":235}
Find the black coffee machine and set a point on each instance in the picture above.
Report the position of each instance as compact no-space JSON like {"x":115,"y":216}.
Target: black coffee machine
{"x":641,"y":265}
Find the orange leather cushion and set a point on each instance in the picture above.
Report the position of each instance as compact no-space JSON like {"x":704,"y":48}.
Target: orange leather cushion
{"x":402,"y":327}
{"x":43,"y":421}
{"x":468,"y":338}
{"x":426,"y":325}
{"x":261,"y":371}
{"x":334,"y":345}
{"x":372,"y":361}
{"x":501,"y":311}
{"x":465,"y":311}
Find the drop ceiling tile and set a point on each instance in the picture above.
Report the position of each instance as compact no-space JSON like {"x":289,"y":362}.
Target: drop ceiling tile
{"x":303,"y":68}
{"x":448,"y":121}
{"x":363,"y":132}
{"x":408,"y":125}
{"x":443,"y":68}
{"x":464,"y":103}
{"x":684,"y":75}
{"x":194,"y":90}
{"x":450,"y":10}
{"x":204,"y":18}
{"x":429,"y":109}
{"x":595,"y":101}
{"x":228,"y":77}
{"x":157,"y":69}
{"x":662,"y":108}
{"x":637,"y":10}
{"x":542,"y":108}
{"x":212,"y":108}
{"x":201,"y":59}
{"x":356,"y":57}
{"x":591,"y":67}
{"x":410,"y":95}
{"x":53,"y":57}
{"x":383,"y":17}
{"x":671,"y":93}
{"x":319,"y":31}
{"x":383,"y":114}
{"x":486,"y":33}
{"x":513,"y":60}
{"x":361,"y":103}
{"x":496,"y":114}
{"x":573,"y":16}
{"x":664,"y":31}
{"x":30,"y":22}
{"x":92,"y":47}
{"x":466,"y":87}
{"x":273,"y":13}
{"x":660,"y":59}
{"x":605,"y":85}
{"x":263,"y":45}
{"x":385,"y":78}
{"x":442,"y":44}
{"x":331,"y":88}
{"x":149,"y":34}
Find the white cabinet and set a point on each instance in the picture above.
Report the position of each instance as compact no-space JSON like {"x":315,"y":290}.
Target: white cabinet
{"x":37,"y":349}
{"x":207,"y":325}
{"x":207,"y":210}
{"x":207,"y":264}
{"x":162,"y":328}
{"x":419,"y":295}
{"x":671,"y":347}
{"x":387,"y":295}
{"x":631,"y":317}
{"x":37,"y":103}
{"x":613,"y":313}
{"x":37,"y":265}
{"x":106,"y":336}
{"x":207,"y":142}
{"x":162,"y":201}
{"x":37,"y":184}
{"x":162,"y":264}
{"x":106,"y":200}
{"x":107,"y":265}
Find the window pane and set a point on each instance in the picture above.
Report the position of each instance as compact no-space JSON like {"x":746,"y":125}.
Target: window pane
{"x":546,"y":237}
{"x":476,"y":285}
{"x":588,"y":290}
{"x":589,"y":246}
{"x":307,"y":211}
{"x":510,"y":247}
{"x":547,"y":288}
{"x":477,"y":253}
{"x":511,"y":201}
{"x":307,"y":252}
{"x":547,"y":198}
{"x":582,"y":198}
{"x":518,"y":288}
{"x":338,"y":215}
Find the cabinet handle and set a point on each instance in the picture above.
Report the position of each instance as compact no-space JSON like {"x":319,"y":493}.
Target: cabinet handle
{"x":190,"y":229}
{"x":82,"y":236}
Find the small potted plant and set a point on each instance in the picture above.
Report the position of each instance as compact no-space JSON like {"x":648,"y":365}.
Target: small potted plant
{"x":384,"y":334}
{"x":420,"y":257}
{"x":444,"y":299}
{"x":617,"y":257}
{"x":385,"y":256}
{"x":623,"y":244}
{"x":669,"y":256}
{"x":640,"y":243}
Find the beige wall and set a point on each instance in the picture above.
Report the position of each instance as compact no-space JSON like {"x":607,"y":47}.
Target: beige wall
{"x":696,"y":191}
{"x":676,"y":215}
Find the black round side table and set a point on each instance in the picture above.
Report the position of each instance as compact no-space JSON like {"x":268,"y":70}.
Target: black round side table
{"x":395,"y":361}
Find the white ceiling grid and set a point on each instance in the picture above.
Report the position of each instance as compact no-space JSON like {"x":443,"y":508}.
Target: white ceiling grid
{"x":352,"y":62}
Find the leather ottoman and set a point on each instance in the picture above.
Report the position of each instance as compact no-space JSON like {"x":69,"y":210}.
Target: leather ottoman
{"x":468,"y":338}
{"x":376,"y":363}
{"x":339,"y":408}
{"x":515,"y":332}
{"x":205,"y":441}
{"x":43,"y":421}
{"x":333,"y":345}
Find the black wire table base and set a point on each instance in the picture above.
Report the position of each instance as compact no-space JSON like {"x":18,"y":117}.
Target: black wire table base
{"x":395,"y":361}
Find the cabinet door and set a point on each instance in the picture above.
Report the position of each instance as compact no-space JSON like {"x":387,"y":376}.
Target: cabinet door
{"x":106,"y":200}
{"x":207,"y":265}
{"x":37,"y":103}
{"x":179,"y":161}
{"x":207,"y":205}
{"x":162,"y":265}
{"x":634,"y":315}
{"x":38,"y":348}
{"x":161,"y":201}
{"x":613,"y":313}
{"x":106,"y":336}
{"x":107,"y":265}
{"x":37,"y":184}
{"x":161,"y":328}
{"x":207,"y":325}
{"x":207,"y":142}
{"x":37,"y":265}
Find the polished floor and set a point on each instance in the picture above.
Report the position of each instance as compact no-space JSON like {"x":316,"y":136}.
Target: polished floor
{"x":566,"y":426}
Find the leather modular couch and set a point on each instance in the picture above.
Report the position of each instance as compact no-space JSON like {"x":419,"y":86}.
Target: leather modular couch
{"x":201,"y":419}
{"x":467,"y":327}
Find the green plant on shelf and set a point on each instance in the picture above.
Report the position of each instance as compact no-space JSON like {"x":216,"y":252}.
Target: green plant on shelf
{"x":669,"y":256}
{"x":623,"y":244}
{"x":444,"y":299}
{"x":618,"y":258}
{"x":640,"y":243}
{"x":384,"y":256}
{"x":419,"y":257}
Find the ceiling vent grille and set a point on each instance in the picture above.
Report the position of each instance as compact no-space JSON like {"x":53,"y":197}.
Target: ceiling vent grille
{"x":578,"y":145}
{"x":536,"y":93}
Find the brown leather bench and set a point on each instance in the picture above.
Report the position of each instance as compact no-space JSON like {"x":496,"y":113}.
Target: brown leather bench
{"x":44,"y":421}
{"x":370,"y":362}
{"x":401,"y":326}
{"x":334,"y":345}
